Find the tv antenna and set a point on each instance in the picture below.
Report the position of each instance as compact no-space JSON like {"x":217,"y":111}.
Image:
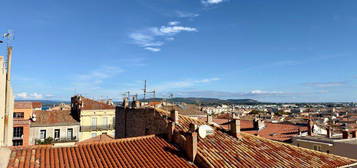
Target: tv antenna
{"x":8,"y":37}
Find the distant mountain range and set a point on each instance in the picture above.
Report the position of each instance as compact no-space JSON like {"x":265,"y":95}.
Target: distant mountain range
{"x":46,"y":102}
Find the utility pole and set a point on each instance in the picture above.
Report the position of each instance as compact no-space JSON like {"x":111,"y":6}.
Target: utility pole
{"x":144,"y":90}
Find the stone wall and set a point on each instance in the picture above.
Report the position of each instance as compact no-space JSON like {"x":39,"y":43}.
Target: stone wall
{"x":138,"y":122}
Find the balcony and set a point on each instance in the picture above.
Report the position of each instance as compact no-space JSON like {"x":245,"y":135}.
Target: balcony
{"x":97,"y":128}
{"x":50,"y":140}
{"x":18,"y":137}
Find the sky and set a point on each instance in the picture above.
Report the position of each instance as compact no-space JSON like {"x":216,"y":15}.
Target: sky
{"x":274,"y":51}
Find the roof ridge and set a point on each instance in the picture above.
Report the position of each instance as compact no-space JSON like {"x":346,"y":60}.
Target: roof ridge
{"x":118,"y":140}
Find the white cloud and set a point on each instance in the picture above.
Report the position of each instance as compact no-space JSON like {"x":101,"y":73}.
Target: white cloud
{"x":176,"y":29}
{"x":152,"y":38}
{"x":325,"y":84}
{"x":262,"y":92}
{"x":152,"y":49}
{"x":207,"y":2}
{"x":25,"y":95}
{"x":173,"y":23}
{"x":184,"y":14}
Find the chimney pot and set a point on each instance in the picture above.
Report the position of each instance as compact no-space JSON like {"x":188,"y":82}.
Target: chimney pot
{"x":329,"y":132}
{"x":310,"y":128}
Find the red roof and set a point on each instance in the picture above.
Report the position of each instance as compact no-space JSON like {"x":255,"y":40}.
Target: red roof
{"x":99,"y":138}
{"x":274,"y":131}
{"x":36,"y":105}
{"x":23,"y":105}
{"x":89,"y":104}
{"x":147,"y":151}
{"x":53,"y":118}
{"x":223,"y":150}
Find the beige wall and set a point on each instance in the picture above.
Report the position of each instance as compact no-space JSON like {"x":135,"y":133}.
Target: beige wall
{"x":337,"y":148}
{"x":100,"y":115}
{"x":6,"y":123}
{"x":50,"y":131}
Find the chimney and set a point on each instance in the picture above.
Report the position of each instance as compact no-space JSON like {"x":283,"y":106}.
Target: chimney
{"x":310,"y":127}
{"x":170,"y":131}
{"x":235,"y":127}
{"x":258,"y":123}
{"x":191,"y":144}
{"x":174,"y":116}
{"x":329,"y":132}
{"x":345,"y":134}
{"x":209,"y":118}
{"x":125,"y":102}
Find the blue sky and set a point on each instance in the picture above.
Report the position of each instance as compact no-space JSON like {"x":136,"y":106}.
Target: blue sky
{"x":286,"y":51}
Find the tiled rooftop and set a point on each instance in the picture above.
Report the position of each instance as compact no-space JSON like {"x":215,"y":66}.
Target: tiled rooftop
{"x":23,"y":105}
{"x":147,"y":151}
{"x":99,"y":138}
{"x":274,"y":131}
{"x":223,"y":150}
{"x":36,"y":105}
{"x":89,"y":104}
{"x":54,"y":118}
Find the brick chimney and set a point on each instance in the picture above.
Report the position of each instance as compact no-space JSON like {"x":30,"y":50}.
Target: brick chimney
{"x":170,"y":131}
{"x":329,"y":132}
{"x":174,"y":116}
{"x":310,"y":127}
{"x":258,"y":123}
{"x":191,"y":144}
{"x":348,"y":134}
{"x":209,"y":118}
{"x":235,"y":127}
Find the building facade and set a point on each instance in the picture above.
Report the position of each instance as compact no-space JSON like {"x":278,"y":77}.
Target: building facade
{"x":6,"y":101}
{"x":59,"y":126}
{"x":95,"y":117}
{"x":22,"y":116}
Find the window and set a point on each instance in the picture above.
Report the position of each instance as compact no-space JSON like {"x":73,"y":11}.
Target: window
{"x":316,"y":147}
{"x":18,"y":115}
{"x":42,"y":134}
{"x":18,"y":132}
{"x":94,"y":123}
{"x":17,"y":142}
{"x":57,"y":133}
{"x":94,"y":134}
{"x":105,"y":122}
{"x":70,"y":133}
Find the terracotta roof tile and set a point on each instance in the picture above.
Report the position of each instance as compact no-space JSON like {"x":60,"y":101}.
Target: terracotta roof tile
{"x":36,"y":105}
{"x":99,"y":138}
{"x":23,"y":105}
{"x":89,"y":104}
{"x":147,"y":151}
{"x":223,"y":150}
{"x":53,"y":118}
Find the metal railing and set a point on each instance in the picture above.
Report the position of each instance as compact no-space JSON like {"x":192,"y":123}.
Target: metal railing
{"x":97,"y":128}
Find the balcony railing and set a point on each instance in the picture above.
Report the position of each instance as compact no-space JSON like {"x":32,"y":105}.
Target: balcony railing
{"x":18,"y":137}
{"x":97,"y":128}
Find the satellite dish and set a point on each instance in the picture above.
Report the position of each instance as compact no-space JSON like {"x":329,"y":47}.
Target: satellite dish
{"x":205,"y":130}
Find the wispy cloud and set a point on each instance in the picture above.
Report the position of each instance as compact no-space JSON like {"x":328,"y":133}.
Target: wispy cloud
{"x":94,"y":78}
{"x":34,"y":96}
{"x":325,"y":84}
{"x":152,"y":49}
{"x":184,"y":14}
{"x":227,"y":94}
{"x":153,"y":38}
{"x":211,"y":2}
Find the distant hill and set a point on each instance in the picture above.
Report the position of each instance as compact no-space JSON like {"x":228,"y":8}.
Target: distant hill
{"x":207,"y":101}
